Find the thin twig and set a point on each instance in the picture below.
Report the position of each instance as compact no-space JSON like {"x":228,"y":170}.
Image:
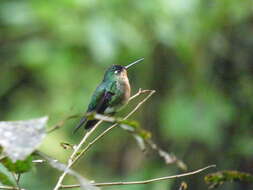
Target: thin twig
{"x":151,"y":92}
{"x":74,"y":156}
{"x":16,"y":178}
{"x":169,"y":158}
{"x":140,"y":91}
{"x":61,"y":123}
{"x":10,"y":188}
{"x":143,"y":181}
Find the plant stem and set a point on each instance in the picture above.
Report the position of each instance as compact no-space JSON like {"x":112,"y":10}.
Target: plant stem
{"x":72,"y":158}
{"x":143,"y":181}
{"x":10,"y":188}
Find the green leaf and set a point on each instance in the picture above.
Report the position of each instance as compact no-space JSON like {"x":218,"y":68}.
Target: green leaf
{"x":130,"y":123}
{"x":216,"y":179}
{"x":19,"y":166}
{"x":144,"y":133}
{"x":4,"y":179}
{"x":134,"y":126}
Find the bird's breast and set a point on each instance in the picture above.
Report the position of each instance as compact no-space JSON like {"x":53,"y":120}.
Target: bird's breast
{"x":125,"y":88}
{"x":120,"y":98}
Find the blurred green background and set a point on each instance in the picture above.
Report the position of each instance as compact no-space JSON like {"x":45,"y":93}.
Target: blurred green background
{"x":198,"y":57}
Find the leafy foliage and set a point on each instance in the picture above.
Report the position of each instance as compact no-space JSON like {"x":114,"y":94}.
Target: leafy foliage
{"x":19,"y":166}
{"x":216,"y":179}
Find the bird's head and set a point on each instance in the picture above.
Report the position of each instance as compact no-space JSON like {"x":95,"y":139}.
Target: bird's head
{"x":118,"y":71}
{"x":115,"y":72}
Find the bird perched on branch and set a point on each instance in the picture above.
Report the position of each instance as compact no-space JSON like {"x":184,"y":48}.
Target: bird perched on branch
{"x":112,"y":93}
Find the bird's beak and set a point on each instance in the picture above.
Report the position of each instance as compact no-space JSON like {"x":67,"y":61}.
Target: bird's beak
{"x":131,"y":64}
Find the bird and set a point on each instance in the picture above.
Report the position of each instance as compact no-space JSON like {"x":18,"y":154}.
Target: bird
{"x":111,"y":94}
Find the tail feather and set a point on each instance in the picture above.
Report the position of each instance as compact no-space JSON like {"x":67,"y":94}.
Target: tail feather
{"x":80,"y":124}
{"x":90,"y":124}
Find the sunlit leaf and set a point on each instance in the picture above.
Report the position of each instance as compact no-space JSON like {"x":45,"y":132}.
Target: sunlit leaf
{"x":20,"y":138}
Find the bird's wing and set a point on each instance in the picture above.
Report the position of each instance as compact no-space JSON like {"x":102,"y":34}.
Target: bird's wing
{"x":103,"y":104}
{"x":101,"y":98}
{"x":99,"y":103}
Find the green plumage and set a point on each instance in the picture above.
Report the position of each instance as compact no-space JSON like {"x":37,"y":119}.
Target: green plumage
{"x":112,"y":93}
{"x":115,"y":100}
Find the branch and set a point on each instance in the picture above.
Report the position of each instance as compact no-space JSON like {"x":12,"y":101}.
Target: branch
{"x":72,"y":158}
{"x":76,"y":155}
{"x":61,"y":123}
{"x":143,"y":181}
{"x":10,"y":188}
{"x":169,"y":158}
{"x":139,"y":93}
{"x":16,"y":178}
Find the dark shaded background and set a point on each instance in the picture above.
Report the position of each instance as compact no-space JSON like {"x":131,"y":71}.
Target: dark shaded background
{"x":198,"y":57}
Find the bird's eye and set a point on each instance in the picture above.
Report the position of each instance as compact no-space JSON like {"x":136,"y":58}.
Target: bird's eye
{"x":116,"y":71}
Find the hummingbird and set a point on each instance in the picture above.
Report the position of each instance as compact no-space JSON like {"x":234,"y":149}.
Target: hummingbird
{"x":111,"y":94}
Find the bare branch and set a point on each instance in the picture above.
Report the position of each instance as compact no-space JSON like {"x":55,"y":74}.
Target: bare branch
{"x":10,"y":188}
{"x":16,"y":177}
{"x":72,"y":158}
{"x":151,"y":92}
{"x":143,"y":181}
{"x":169,"y":158}
{"x":139,"y":93}
{"x":61,"y":123}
